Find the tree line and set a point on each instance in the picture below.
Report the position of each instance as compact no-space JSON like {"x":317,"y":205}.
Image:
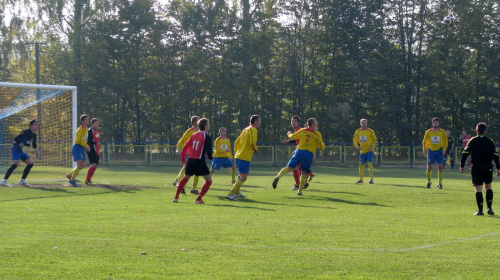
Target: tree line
{"x":144,"y":67}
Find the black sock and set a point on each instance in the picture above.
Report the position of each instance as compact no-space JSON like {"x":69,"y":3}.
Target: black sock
{"x":27,"y":171}
{"x":479,"y":200}
{"x":9,"y":171}
{"x":489,"y":197}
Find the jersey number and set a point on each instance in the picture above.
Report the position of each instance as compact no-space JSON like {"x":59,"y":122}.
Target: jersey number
{"x":195,"y":145}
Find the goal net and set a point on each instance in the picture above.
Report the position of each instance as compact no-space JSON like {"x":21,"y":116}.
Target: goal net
{"x":54,"y":107}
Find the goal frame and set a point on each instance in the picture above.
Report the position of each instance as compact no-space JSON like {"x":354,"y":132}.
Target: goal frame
{"x":73,"y":89}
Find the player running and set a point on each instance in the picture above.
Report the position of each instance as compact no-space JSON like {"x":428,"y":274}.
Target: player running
{"x":364,"y":140}
{"x":482,"y":151}
{"x":198,"y":145}
{"x":296,"y":171}
{"x":78,"y":149}
{"x":310,"y":140}
{"x":435,"y":144}
{"x":244,"y":146}
{"x":185,"y":137}
{"x":18,"y":151}
{"x":223,"y":156}
{"x":94,"y":142}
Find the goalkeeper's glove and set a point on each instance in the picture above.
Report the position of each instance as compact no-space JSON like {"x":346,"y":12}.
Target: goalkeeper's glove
{"x":24,"y":148}
{"x":38,"y":156}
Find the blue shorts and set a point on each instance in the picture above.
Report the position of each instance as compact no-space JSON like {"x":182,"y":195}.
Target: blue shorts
{"x":303,"y":157}
{"x":78,"y":152}
{"x":367,"y":157}
{"x":16,"y":153}
{"x":435,"y":156}
{"x":219,"y":162}
{"x":243,"y":166}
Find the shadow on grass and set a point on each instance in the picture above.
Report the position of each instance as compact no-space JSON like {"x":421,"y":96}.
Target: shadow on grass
{"x":236,"y":204}
{"x":331,"y":199}
{"x":247,"y":200}
{"x":339,"y":192}
{"x":402,"y":186}
{"x":66,"y":193}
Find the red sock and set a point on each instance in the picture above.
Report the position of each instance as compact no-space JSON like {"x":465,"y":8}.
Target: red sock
{"x":296,"y":176}
{"x":181,"y":185}
{"x":204,"y":189}
{"x":310,"y":174}
{"x":90,"y":172}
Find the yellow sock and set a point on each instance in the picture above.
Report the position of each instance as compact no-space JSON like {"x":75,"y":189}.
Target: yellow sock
{"x":181,"y":174}
{"x":440,"y":176}
{"x":75,"y":172}
{"x":361,"y":171}
{"x":303,"y":181}
{"x":283,"y":171}
{"x":233,"y":174}
{"x":429,"y":175}
{"x":71,"y":172}
{"x":236,"y":187}
{"x":370,"y":169}
{"x":195,"y":182}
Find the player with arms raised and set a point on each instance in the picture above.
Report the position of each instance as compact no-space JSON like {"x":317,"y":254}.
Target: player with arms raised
{"x":244,"y":146}
{"x":309,"y":140}
{"x":19,"y":150}
{"x":180,"y":145}
{"x":482,"y":151}
{"x":198,"y":145}
{"x":223,"y":155}
{"x":364,"y":140}
{"x":435,"y":144}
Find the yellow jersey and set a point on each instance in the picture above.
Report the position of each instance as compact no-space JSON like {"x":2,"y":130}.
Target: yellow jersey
{"x":435,"y":140}
{"x":246,"y":144}
{"x":309,"y":139}
{"x":185,"y":137}
{"x":222,"y":148}
{"x":365,"y":139}
{"x":81,"y":136}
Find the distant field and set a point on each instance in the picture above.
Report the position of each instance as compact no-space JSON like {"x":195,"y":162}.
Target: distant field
{"x":394,"y":229}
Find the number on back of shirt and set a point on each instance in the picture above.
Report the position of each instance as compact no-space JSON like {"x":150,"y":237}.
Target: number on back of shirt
{"x":196,"y":143}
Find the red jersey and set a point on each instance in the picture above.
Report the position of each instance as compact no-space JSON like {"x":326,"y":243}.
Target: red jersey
{"x":198,"y":145}
{"x":465,"y":140}
{"x":93,"y":139}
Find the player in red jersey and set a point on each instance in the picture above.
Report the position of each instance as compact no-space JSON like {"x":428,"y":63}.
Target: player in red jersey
{"x":198,"y":145}
{"x":93,"y":142}
{"x":297,"y":171}
{"x":464,"y":137}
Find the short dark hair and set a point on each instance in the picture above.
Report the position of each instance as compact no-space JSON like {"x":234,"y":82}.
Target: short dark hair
{"x":435,"y":119}
{"x":33,"y":122}
{"x":311,"y":121}
{"x":202,"y":123}
{"x":83,"y":117}
{"x":94,"y":120}
{"x":481,"y":127}
{"x":195,"y":119}
{"x":297,"y":118}
{"x":254,"y":118}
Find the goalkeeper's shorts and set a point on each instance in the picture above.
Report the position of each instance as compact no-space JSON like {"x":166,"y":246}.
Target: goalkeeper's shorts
{"x":16,"y":153}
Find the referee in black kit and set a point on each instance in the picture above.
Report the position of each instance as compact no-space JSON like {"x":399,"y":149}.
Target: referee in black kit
{"x":482,"y":151}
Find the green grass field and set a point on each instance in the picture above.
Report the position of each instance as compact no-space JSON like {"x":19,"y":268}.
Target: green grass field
{"x":395,"y":229}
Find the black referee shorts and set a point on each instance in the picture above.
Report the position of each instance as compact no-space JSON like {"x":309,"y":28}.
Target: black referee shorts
{"x":93,"y":157}
{"x":482,"y":173}
{"x":197,"y":167}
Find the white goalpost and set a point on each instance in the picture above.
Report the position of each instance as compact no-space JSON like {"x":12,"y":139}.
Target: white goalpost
{"x":55,"y":109}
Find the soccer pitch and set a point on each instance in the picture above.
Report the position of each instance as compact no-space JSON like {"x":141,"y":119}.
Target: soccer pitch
{"x":394,"y":229}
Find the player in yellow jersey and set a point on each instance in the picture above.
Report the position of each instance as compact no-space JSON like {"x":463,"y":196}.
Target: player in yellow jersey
{"x":78,"y":149}
{"x":244,"y":146}
{"x":180,"y":144}
{"x":223,"y":157}
{"x":309,"y":140}
{"x":435,"y":144}
{"x":364,"y":140}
